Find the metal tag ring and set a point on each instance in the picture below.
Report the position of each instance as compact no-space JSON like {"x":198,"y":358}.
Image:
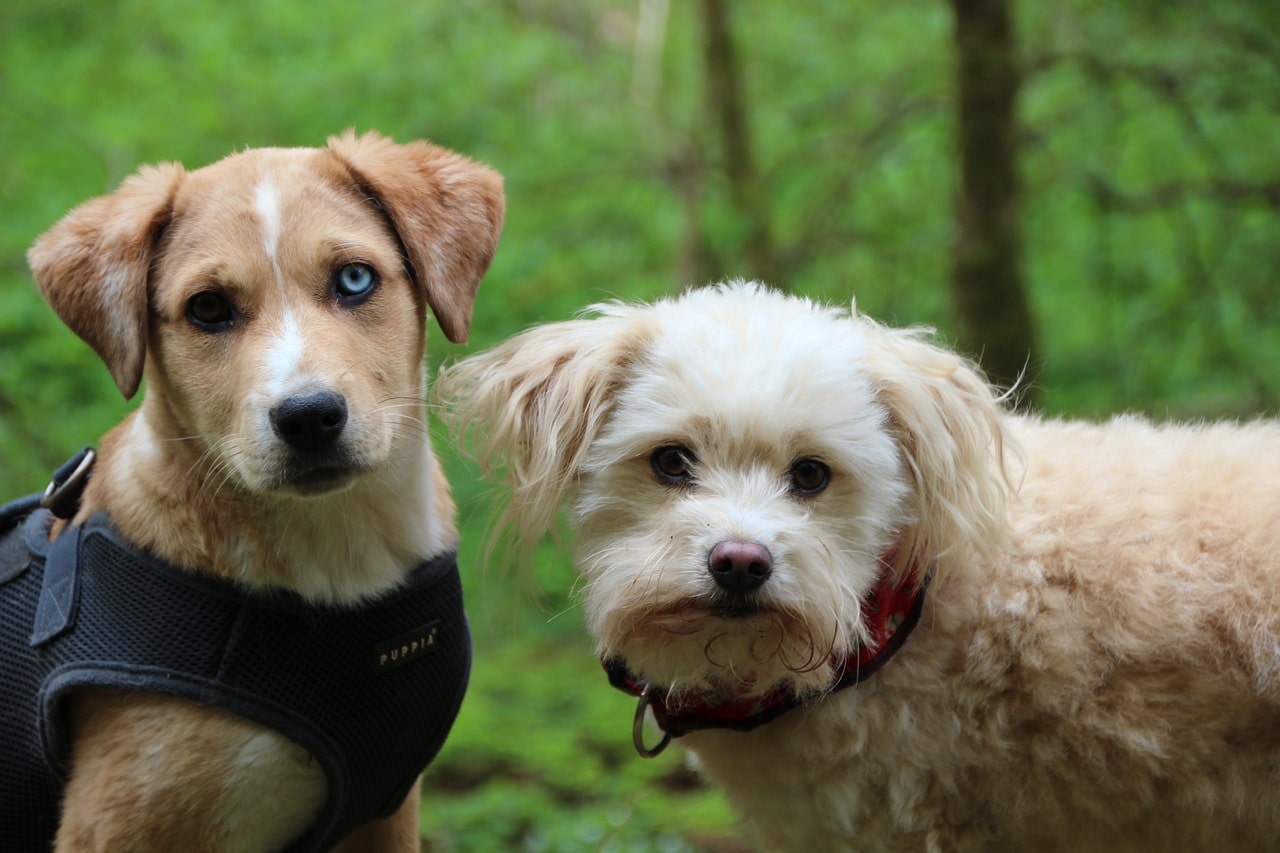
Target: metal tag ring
{"x":637,"y":729}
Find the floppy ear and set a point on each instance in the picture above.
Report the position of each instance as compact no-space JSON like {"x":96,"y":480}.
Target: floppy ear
{"x":532,"y":406}
{"x":446,"y":210}
{"x":92,"y":267}
{"x":951,"y":430}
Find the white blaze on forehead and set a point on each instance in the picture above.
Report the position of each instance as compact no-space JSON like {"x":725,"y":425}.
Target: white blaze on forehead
{"x":282,"y":359}
{"x":266,"y":200}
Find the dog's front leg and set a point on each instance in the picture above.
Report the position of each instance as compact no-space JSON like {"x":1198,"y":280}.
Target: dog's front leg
{"x":156,"y":773}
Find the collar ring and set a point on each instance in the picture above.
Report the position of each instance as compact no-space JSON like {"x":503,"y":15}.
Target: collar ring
{"x":637,"y":728}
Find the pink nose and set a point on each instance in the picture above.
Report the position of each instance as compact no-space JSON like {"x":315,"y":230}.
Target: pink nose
{"x":740,"y":567}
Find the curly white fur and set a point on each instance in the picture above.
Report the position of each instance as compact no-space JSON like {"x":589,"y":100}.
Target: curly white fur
{"x":1098,"y":663}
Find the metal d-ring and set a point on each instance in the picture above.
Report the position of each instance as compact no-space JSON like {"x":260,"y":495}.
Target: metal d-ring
{"x":637,"y":728}
{"x":56,"y":491}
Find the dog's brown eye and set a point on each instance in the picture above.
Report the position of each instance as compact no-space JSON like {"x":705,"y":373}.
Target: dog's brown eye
{"x":671,"y":463}
{"x":809,"y":477}
{"x":210,"y":311}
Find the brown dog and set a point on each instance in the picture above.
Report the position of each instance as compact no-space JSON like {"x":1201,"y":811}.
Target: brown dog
{"x":275,"y":302}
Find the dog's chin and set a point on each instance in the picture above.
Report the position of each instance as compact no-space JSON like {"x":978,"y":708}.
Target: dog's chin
{"x":696,"y":614}
{"x":742,"y":647}
{"x":305,"y":478}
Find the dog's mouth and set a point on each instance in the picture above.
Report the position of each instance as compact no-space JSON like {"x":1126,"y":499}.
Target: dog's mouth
{"x":693,"y":614}
{"x":737,"y":606}
{"x":740,"y":608}
{"x":320,"y":479}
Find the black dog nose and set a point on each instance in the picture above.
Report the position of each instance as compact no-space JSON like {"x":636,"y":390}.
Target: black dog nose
{"x":310,"y":421}
{"x":740,"y":567}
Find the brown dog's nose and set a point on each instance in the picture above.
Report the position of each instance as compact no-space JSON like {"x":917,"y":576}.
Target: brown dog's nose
{"x":740,"y":567}
{"x":310,"y":422}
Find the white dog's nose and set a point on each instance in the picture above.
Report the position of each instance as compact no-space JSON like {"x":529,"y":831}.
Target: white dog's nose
{"x":740,"y":567}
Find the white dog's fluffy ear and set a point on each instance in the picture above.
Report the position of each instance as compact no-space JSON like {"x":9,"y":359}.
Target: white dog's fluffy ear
{"x":532,"y":406}
{"x":92,"y":267}
{"x":446,"y":209}
{"x":950,"y":426}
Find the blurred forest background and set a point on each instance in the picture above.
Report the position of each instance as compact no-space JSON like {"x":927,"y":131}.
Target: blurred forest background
{"x":1088,"y":190}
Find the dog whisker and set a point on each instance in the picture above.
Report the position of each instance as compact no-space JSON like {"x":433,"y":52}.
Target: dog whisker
{"x":379,"y":477}
{"x":180,"y":438}
{"x":577,"y":589}
{"x":221,"y":474}
{"x":208,"y":462}
{"x":553,"y":617}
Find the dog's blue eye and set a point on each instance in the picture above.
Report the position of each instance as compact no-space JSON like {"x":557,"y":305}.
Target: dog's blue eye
{"x":210,"y":311}
{"x":671,"y":464}
{"x":353,"y":282}
{"x":809,"y":477}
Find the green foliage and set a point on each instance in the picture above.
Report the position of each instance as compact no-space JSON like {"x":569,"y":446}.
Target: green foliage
{"x":1151,"y":209}
{"x":1151,"y":178}
{"x":518,"y":756}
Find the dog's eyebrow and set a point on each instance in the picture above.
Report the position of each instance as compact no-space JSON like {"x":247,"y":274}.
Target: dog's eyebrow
{"x":346,"y":248}
{"x":365,"y":192}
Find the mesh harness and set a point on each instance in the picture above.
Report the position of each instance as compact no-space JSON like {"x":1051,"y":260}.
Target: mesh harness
{"x":369,"y":691}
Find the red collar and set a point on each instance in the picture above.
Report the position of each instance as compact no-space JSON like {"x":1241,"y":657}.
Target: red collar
{"x":891,"y":611}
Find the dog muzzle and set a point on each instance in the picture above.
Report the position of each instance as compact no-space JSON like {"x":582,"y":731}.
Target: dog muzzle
{"x":891,"y":613}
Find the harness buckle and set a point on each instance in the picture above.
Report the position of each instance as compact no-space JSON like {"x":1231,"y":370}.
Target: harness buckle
{"x":62,"y":495}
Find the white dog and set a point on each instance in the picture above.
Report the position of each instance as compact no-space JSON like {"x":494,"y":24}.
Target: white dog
{"x":767,"y":495}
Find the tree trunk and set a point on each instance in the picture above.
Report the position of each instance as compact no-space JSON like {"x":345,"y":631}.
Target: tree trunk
{"x":724,"y":100}
{"x":987,"y":286}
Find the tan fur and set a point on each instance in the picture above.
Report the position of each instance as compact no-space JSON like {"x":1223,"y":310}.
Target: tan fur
{"x":196,"y":476}
{"x":1098,"y":662}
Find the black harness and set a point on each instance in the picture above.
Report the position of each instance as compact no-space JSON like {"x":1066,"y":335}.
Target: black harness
{"x":370,"y":691}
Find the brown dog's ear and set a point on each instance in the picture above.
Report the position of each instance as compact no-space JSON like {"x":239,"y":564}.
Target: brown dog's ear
{"x":92,"y":267}
{"x":446,"y":209}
